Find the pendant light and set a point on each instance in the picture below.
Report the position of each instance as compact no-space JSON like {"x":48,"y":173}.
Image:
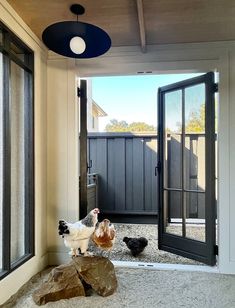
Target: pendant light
{"x":76,"y":39}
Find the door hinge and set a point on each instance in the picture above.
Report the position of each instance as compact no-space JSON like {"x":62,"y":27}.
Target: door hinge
{"x":78,"y":92}
{"x":216,"y":250}
{"x":215,"y":87}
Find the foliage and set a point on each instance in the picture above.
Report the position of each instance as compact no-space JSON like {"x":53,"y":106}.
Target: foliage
{"x":123,"y":126}
{"x":196,"y":122}
{"x":116,"y":126}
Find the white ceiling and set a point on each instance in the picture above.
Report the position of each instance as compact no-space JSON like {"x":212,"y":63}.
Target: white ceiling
{"x":164,"y":21}
{"x":136,"y":27}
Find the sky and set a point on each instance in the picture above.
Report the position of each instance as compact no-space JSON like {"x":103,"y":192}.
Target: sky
{"x":131,"y":98}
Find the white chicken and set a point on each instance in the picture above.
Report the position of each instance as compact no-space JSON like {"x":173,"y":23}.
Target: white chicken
{"x":76,"y":235}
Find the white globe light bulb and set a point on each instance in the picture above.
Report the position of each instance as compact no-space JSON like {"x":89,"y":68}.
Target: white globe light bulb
{"x":77,"y":45}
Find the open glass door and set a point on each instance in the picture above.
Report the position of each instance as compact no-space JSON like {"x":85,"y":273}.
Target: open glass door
{"x":186,"y":165}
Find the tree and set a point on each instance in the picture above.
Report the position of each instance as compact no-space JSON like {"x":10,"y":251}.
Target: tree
{"x":116,"y":126}
{"x":196,"y":122}
{"x":141,"y":127}
{"x":123,"y":126}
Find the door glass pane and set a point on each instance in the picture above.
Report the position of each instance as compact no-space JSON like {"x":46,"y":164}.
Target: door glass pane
{"x":194,"y":151}
{"x":1,"y":154}
{"x":173,"y":212}
{"x":195,"y":207}
{"x":173,"y":131}
{"x":194,"y":161}
{"x":17,"y":162}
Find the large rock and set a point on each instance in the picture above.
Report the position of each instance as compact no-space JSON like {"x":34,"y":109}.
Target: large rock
{"x":73,"y":279}
{"x":63,"y":282}
{"x":98,"y":272}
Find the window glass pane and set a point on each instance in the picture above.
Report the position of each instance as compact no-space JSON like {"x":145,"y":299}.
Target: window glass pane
{"x":1,"y":153}
{"x":173,"y":136}
{"x":16,"y":208}
{"x":17,"y":162}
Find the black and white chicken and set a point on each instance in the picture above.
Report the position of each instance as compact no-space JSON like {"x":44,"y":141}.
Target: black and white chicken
{"x":76,"y":235}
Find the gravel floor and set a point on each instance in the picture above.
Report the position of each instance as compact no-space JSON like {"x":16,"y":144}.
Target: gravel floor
{"x":138,"y":287}
{"x":151,"y":253}
{"x":144,"y":288}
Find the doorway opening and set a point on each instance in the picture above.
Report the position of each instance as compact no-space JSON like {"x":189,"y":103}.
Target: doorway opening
{"x":123,"y":156}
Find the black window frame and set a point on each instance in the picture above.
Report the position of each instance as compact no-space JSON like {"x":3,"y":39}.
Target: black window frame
{"x":27,"y":64}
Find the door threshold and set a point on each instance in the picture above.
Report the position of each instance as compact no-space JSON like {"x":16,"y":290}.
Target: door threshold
{"x":167,"y":266}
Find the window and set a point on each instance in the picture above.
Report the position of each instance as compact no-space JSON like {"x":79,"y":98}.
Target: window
{"x":16,"y":153}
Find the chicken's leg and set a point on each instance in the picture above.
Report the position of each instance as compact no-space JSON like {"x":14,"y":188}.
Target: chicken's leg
{"x":84,"y":247}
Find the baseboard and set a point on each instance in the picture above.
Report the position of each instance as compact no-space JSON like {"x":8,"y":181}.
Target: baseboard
{"x":167,"y":266}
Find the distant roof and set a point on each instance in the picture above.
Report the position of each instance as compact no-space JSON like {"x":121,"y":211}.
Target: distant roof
{"x":98,"y":109}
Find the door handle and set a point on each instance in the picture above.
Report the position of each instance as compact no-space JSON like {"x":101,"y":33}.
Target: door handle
{"x":157,"y":169}
{"x":89,"y":166}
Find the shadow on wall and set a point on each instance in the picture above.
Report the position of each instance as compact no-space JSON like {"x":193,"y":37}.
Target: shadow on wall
{"x":125,"y":164}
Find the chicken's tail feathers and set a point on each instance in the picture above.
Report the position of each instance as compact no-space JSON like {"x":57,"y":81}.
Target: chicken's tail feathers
{"x":144,"y":241}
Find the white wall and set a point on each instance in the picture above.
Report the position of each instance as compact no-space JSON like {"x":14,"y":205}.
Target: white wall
{"x":62,"y":152}
{"x":16,"y":279}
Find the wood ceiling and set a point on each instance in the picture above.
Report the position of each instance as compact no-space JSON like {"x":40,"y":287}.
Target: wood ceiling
{"x":139,"y":22}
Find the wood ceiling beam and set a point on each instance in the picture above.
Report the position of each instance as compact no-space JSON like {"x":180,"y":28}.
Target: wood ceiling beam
{"x":140,"y":12}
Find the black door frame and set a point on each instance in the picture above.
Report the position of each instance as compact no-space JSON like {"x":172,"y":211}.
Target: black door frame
{"x":200,"y":251}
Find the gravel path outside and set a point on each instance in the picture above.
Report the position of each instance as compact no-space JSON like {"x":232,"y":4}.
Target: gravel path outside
{"x":151,"y":254}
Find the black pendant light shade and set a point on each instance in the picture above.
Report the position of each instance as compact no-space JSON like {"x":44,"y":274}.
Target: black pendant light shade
{"x":57,"y":37}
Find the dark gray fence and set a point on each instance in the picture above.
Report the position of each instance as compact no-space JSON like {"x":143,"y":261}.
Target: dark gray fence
{"x":194,"y":174}
{"x":125,"y":164}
